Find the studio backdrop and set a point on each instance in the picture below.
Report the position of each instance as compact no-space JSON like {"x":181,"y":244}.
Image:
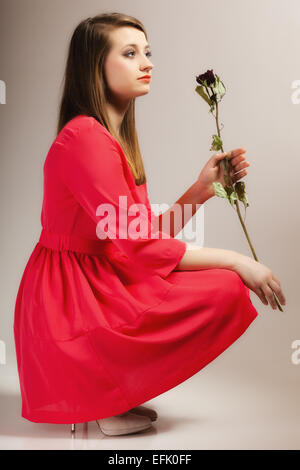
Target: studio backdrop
{"x":253,"y":46}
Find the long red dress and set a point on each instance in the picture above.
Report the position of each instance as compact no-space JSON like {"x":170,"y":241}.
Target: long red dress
{"x":102,"y":326}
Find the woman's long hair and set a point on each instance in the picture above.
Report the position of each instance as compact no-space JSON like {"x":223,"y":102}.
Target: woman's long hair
{"x":85,"y":89}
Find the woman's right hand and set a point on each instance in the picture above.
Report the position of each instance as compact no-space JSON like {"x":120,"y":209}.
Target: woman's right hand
{"x":260,"y":279}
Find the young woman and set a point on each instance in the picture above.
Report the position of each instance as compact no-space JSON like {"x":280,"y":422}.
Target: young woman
{"x":104,"y":324}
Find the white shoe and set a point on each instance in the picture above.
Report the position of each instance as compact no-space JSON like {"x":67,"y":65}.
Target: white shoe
{"x":145,"y":411}
{"x":125,"y":423}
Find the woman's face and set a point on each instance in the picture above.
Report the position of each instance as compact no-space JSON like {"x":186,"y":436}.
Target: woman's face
{"x":126,"y":63}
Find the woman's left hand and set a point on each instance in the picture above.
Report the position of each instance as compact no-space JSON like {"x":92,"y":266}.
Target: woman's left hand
{"x":213,"y":171}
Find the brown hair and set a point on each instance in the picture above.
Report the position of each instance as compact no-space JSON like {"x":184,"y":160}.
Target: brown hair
{"x":85,"y":88}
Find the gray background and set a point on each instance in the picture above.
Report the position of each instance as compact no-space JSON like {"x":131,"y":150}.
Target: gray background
{"x":254,"y":47}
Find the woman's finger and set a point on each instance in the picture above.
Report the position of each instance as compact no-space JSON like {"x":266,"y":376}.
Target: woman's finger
{"x":235,"y":153}
{"x":261,"y":296}
{"x":238,"y":176}
{"x":268,"y":292}
{"x":277,"y":289}
{"x":217,"y":157}
{"x":240,"y":165}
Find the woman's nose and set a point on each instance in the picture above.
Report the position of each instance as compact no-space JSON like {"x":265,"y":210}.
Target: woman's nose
{"x":148,"y":66}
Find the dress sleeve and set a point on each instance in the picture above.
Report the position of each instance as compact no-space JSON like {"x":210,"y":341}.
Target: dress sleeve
{"x":93,"y":169}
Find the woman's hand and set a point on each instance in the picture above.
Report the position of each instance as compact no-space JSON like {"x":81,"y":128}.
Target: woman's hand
{"x":213,"y":171}
{"x":260,"y":279}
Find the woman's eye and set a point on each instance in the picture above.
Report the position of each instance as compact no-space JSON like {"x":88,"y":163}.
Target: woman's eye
{"x":149,"y":54}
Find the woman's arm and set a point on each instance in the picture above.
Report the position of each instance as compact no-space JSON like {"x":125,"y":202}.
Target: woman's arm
{"x":194,"y":197}
{"x":197,"y":257}
{"x":256,"y":276}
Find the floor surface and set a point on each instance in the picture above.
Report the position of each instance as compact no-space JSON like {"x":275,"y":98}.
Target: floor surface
{"x":208,"y":411}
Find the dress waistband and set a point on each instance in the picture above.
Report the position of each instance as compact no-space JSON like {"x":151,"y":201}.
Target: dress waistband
{"x":73,"y":243}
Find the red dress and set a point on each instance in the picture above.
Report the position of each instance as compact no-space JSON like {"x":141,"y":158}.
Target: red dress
{"x":102,"y":326}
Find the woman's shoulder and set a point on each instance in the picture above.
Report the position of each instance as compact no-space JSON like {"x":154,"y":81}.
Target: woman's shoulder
{"x":86,"y":130}
{"x":82,"y":121}
{"x":81,"y":125}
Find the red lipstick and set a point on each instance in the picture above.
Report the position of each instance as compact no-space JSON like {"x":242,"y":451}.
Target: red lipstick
{"x":148,"y":77}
